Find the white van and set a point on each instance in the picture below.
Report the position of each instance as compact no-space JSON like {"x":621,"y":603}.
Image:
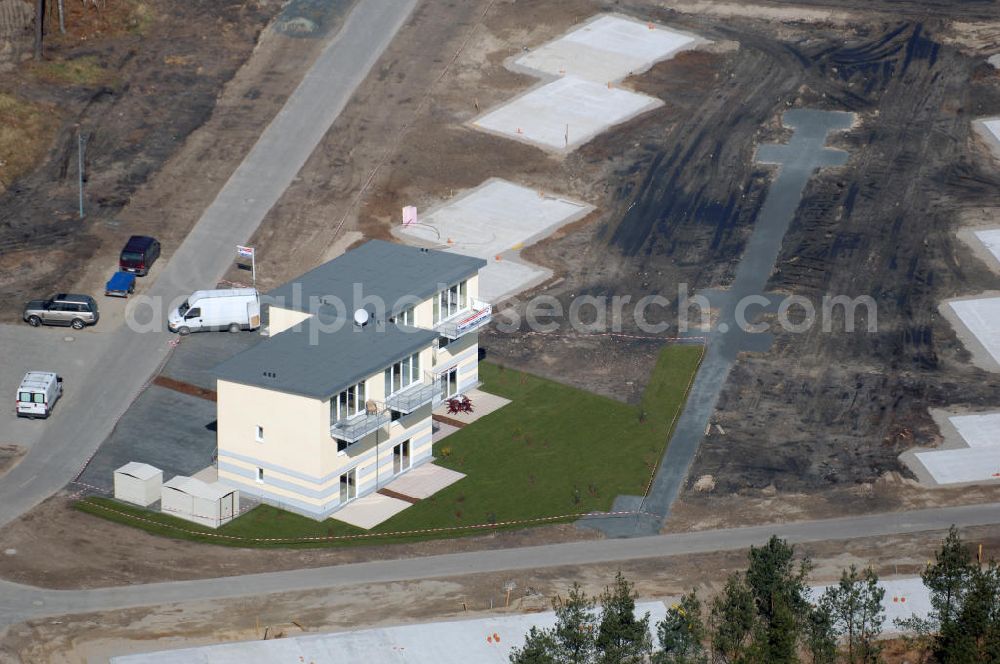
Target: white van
{"x":232,"y":309}
{"x":38,"y":393}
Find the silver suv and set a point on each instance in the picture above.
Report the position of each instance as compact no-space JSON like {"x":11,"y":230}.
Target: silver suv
{"x":77,"y":311}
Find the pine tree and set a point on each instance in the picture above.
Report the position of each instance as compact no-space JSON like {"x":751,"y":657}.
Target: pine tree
{"x":681,"y":634}
{"x":733,"y":618}
{"x":539,"y":648}
{"x":948,"y":579}
{"x":573,"y":634}
{"x":855,"y":606}
{"x":974,"y":635}
{"x":821,"y":636}
{"x":781,"y":598}
{"x":621,"y":637}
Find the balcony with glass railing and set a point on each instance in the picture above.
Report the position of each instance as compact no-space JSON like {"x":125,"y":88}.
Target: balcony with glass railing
{"x":413,"y":397}
{"x":469,"y":320}
{"x":360,"y":426}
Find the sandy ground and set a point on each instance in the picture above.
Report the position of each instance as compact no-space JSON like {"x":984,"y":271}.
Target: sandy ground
{"x":58,"y":547}
{"x":706,"y":510}
{"x":74,"y":639}
{"x":815,"y":426}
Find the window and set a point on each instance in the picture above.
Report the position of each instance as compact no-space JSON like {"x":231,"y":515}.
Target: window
{"x":348,"y":486}
{"x":193,"y":313}
{"x":405,"y":317}
{"x":24,"y":396}
{"x":38,"y":397}
{"x":449,"y":382}
{"x":348,"y":403}
{"x":260,"y":475}
{"x":450,"y":301}
{"x":402,"y":374}
{"x":260,"y":433}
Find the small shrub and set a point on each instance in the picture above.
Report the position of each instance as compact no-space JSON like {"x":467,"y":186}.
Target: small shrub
{"x":445,"y":452}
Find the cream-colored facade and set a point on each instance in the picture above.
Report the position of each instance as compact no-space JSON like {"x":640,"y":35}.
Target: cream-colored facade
{"x":313,"y":455}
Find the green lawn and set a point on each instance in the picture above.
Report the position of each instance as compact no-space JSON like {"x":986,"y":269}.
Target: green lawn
{"x":553,"y":452}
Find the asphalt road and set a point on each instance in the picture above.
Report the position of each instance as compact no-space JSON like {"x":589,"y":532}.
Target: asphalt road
{"x":129,"y":355}
{"x":18,"y":602}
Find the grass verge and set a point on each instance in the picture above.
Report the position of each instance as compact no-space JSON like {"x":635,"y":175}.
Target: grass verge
{"x":26,"y":132}
{"x":552,"y":454}
{"x":84,"y":71}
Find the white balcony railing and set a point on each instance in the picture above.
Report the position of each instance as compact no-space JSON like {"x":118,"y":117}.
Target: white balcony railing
{"x":358,"y":427}
{"x":413,"y":397}
{"x":466,"y":321}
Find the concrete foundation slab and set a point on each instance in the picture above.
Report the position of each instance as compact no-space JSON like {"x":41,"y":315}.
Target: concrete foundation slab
{"x":483,"y":641}
{"x":493,"y":221}
{"x":993,"y":126}
{"x":980,"y":317}
{"x":972,"y":464}
{"x":371,"y":510}
{"x":566,"y":113}
{"x":904,"y":598}
{"x":981,"y":430}
{"x":969,"y":451}
{"x":425,"y":481}
{"x":991,"y":240}
{"x":607,"y":49}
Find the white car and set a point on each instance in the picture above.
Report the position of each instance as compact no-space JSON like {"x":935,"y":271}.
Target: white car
{"x":38,"y":393}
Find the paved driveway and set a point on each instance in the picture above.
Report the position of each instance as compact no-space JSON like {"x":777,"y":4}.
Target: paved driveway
{"x":130,"y":355}
{"x":68,"y":352}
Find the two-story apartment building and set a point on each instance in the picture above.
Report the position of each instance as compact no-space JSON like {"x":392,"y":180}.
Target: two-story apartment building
{"x":337,"y":402}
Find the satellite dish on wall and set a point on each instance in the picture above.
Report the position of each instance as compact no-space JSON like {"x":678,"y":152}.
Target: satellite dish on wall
{"x":360,"y":317}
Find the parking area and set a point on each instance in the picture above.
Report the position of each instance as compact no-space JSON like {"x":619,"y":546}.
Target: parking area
{"x":68,"y":352}
{"x":172,"y":424}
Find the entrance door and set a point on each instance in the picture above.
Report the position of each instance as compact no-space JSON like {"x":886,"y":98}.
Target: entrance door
{"x":348,"y":486}
{"x":400,"y":457}
{"x":227,"y":507}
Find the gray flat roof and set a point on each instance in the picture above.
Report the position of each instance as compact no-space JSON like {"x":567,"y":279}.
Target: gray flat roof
{"x":319,"y":364}
{"x":385,"y":270}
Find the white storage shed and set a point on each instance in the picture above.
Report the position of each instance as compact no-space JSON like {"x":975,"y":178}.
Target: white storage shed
{"x":138,"y":483}
{"x":207,"y":504}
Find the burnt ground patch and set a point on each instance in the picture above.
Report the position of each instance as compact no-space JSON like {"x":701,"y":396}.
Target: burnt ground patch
{"x":835,"y":409}
{"x":160,"y":82}
{"x":819,"y":411}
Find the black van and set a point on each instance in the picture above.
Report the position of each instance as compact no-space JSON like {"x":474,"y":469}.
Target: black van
{"x":139,"y":254}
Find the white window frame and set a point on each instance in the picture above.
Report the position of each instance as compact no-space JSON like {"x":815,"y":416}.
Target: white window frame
{"x":405,"y":317}
{"x":406,"y":370}
{"x":352,"y":485}
{"x":349,"y":403}
{"x":451,"y":301}
{"x":260,"y":434}
{"x":260,"y":475}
